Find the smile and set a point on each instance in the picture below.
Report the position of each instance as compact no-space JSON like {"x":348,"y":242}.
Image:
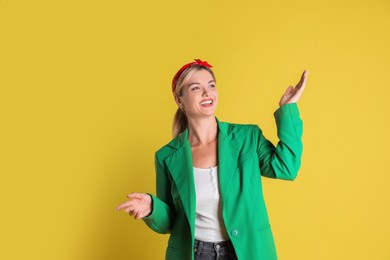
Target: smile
{"x":206,"y":102}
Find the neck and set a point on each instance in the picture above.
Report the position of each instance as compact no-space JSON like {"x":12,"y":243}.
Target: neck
{"x":202,"y":131}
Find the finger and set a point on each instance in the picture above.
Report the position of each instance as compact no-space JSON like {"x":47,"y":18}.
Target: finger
{"x":288,"y":91}
{"x":302,"y":84}
{"x":139,"y":215}
{"x":304,"y":74}
{"x":129,"y":208}
{"x":136,"y":196}
{"x":132,"y":213}
{"x":302,"y":80}
{"x":124,"y":205}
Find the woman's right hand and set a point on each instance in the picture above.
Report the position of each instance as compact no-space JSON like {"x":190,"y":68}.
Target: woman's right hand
{"x":139,"y":205}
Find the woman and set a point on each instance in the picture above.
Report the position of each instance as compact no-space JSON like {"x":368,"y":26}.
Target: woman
{"x":209,"y":192}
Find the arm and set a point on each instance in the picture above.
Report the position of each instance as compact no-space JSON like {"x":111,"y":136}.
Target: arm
{"x":284,"y":160}
{"x":161,"y":217}
{"x":155,"y":211}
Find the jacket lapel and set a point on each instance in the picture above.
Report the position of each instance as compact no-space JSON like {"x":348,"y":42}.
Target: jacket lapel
{"x":227,"y":159}
{"x":181,"y":168}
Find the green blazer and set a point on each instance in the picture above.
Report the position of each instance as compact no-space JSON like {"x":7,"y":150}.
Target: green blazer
{"x":244,"y":154}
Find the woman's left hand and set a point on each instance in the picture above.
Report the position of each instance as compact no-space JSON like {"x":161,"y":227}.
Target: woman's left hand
{"x":292,"y":94}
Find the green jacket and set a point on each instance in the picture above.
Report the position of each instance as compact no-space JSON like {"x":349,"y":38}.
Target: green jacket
{"x":243,"y":155}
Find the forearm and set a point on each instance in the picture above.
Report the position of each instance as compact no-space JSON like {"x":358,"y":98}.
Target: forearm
{"x":160,"y":218}
{"x":284,"y":160}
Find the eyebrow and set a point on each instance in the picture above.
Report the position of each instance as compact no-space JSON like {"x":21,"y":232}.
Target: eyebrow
{"x":197,"y":83}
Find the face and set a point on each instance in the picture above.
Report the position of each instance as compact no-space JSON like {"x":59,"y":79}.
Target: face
{"x":199,"y":95}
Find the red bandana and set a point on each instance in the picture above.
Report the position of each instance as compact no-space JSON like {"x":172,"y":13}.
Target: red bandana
{"x":177,"y":75}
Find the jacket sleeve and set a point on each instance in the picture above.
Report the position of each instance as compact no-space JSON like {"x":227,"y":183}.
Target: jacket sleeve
{"x":160,"y":220}
{"x":284,"y":160}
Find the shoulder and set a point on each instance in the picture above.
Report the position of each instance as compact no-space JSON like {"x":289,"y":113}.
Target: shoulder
{"x":238,"y":130}
{"x":244,"y":136}
{"x":168,"y":149}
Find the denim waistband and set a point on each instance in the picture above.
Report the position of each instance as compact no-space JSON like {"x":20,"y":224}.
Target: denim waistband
{"x":216,"y":250}
{"x":213,"y":245}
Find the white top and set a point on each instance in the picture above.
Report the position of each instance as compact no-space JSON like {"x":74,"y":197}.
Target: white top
{"x":209,"y":224}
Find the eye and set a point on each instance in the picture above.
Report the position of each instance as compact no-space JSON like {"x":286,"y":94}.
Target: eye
{"x":212,"y":85}
{"x":194,"y":88}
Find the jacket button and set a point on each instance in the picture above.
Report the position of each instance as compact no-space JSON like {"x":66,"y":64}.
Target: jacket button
{"x":234,"y":233}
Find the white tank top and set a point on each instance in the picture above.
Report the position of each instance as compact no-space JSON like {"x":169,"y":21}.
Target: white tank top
{"x":209,"y":224}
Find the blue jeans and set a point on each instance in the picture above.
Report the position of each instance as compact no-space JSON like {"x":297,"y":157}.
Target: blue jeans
{"x":214,"y":251}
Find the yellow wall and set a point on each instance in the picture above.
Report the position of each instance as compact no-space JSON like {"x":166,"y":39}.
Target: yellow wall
{"x":85,"y":101}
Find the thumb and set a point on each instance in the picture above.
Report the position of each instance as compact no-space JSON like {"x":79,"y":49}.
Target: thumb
{"x":135,"y":196}
{"x":288,"y":90}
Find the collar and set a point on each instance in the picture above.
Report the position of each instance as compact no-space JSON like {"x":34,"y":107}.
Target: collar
{"x":182,"y":138}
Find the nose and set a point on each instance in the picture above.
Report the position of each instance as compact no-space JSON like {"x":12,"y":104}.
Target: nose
{"x":206,"y":91}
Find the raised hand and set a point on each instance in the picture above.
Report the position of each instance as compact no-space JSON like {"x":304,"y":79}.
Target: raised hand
{"x":292,"y":94}
{"x":139,"y":205}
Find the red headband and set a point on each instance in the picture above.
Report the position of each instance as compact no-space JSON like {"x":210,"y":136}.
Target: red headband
{"x":177,"y":75}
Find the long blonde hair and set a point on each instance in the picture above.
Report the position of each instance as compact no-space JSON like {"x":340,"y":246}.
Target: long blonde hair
{"x":180,"y":122}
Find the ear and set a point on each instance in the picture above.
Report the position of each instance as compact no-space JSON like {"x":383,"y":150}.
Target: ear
{"x":179,"y":101}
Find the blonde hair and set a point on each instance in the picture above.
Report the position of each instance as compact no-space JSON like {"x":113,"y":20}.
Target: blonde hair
{"x":180,"y":122}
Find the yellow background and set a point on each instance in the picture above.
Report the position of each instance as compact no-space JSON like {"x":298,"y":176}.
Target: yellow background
{"x":85,"y":102}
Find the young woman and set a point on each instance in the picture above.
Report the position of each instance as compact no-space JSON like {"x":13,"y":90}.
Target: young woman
{"x":209,"y":193}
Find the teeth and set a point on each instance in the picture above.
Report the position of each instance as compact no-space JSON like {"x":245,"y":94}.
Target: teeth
{"x":206,"y":102}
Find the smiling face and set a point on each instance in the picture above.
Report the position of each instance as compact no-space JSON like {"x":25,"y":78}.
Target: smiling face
{"x":199,"y":95}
